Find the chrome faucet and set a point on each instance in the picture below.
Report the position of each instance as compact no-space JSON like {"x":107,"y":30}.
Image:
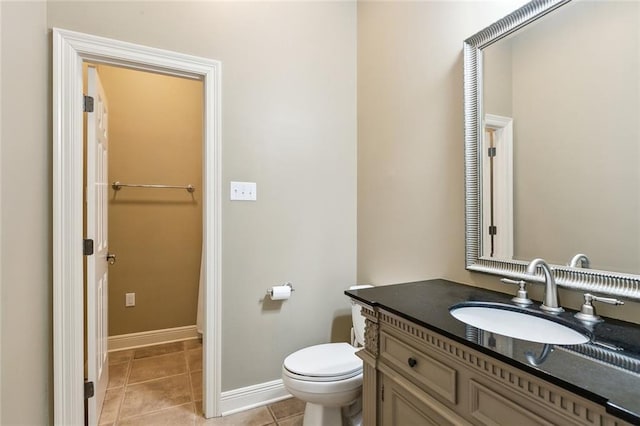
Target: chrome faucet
{"x":550,"y":303}
{"x":579,"y":260}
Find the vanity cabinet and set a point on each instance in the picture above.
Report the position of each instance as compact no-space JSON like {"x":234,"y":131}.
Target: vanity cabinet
{"x":415,"y":376}
{"x":401,"y":403}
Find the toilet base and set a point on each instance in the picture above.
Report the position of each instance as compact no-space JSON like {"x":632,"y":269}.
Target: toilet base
{"x":321,"y":415}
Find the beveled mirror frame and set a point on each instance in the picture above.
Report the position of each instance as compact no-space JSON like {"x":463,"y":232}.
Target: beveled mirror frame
{"x":589,"y":280}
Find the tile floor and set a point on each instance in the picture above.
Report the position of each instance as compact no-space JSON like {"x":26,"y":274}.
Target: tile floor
{"x":162,"y":385}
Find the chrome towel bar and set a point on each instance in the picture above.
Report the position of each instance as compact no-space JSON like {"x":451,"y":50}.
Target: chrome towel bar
{"x":117,"y":185}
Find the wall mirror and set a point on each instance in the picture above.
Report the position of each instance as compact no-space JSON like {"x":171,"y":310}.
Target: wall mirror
{"x":552,"y":144}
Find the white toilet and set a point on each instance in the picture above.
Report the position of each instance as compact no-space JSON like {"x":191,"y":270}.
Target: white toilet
{"x":328,"y":377}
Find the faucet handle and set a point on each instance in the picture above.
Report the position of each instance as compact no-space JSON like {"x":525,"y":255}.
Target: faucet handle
{"x":521,"y":298}
{"x":579,"y":260}
{"x":587,"y":312}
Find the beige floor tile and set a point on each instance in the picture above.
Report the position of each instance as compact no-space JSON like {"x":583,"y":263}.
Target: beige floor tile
{"x":194,"y":359}
{"x":196,"y":385}
{"x":111,"y":406}
{"x":155,"y":395}
{"x":181,"y":415}
{"x":193,"y":344}
{"x":292,"y":421}
{"x":157,"y":366}
{"x":256,"y":417}
{"x":118,"y":357}
{"x":156,"y":350}
{"x":287,"y":408}
{"x":117,"y":375}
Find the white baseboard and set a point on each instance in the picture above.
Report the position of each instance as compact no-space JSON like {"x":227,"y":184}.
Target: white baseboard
{"x":253,"y":396}
{"x":152,"y":337}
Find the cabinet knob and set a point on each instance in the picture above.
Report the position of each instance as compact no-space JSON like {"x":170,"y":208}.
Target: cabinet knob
{"x":412,"y":362}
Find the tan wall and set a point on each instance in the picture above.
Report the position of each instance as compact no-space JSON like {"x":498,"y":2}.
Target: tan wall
{"x":25,"y":219}
{"x":155,"y":136}
{"x":410,"y":144}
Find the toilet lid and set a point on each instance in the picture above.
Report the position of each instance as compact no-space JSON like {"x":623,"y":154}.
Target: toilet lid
{"x":328,"y":360}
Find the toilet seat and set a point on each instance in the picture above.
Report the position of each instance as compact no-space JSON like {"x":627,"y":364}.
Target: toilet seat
{"x":328,"y":362}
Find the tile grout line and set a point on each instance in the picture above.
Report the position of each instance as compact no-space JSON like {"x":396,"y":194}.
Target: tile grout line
{"x":159,"y":410}
{"x":188,"y":370}
{"x":124,"y":388}
{"x":193,"y":403}
{"x":156,"y":378}
{"x":273,"y":416}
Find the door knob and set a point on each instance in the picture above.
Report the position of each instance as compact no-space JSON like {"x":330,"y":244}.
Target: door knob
{"x":111,"y":258}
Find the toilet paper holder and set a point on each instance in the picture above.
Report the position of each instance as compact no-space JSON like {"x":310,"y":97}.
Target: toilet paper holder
{"x":288,"y":284}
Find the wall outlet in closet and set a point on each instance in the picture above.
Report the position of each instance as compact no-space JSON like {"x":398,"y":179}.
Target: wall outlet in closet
{"x":129,"y":299}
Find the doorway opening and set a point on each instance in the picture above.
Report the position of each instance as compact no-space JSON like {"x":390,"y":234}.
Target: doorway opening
{"x":70,"y":50}
{"x":144,"y":181}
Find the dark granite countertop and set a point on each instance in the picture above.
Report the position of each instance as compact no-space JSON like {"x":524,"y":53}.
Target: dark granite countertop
{"x":605,"y":371}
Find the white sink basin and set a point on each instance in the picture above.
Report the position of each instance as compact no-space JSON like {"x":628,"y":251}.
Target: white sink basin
{"x":519,"y":323}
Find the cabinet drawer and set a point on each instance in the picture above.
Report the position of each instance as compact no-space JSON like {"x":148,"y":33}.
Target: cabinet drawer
{"x":418,"y":367}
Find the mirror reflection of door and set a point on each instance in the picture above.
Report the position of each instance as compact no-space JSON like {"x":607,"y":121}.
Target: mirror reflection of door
{"x":497,"y":187}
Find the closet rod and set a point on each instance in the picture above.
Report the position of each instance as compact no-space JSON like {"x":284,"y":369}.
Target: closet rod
{"x":117,"y":185}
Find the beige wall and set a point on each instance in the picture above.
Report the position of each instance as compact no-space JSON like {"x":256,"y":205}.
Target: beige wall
{"x":289,"y":124}
{"x":410,"y":137}
{"x":155,"y":136}
{"x":288,"y":111}
{"x":497,"y":82}
{"x":576,"y":174}
{"x":25,"y":194}
{"x":289,"y":119}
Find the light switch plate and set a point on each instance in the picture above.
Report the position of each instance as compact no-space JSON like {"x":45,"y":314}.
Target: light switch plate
{"x":243,"y":191}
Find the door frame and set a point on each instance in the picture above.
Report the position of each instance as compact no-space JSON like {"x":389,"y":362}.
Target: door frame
{"x":70,"y":50}
{"x":503,"y":183}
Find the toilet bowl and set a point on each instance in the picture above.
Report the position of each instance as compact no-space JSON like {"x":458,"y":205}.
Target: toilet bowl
{"x":328,"y":377}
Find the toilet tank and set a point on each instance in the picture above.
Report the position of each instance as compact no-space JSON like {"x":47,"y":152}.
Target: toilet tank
{"x":357,"y":332}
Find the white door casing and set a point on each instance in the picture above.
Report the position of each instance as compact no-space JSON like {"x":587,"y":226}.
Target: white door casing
{"x":70,"y":50}
{"x":97,"y":230}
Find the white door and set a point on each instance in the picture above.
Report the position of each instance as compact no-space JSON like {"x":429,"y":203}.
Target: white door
{"x":97,"y":264}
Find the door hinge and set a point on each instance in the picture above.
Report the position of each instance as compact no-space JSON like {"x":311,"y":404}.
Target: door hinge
{"x":89,"y":390}
{"x":491,"y":151}
{"x":87,"y":103}
{"x":493,"y":230}
{"x":382,"y":393}
{"x":87,"y":247}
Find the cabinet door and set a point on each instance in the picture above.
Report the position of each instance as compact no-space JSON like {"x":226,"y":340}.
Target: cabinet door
{"x":402,"y":403}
